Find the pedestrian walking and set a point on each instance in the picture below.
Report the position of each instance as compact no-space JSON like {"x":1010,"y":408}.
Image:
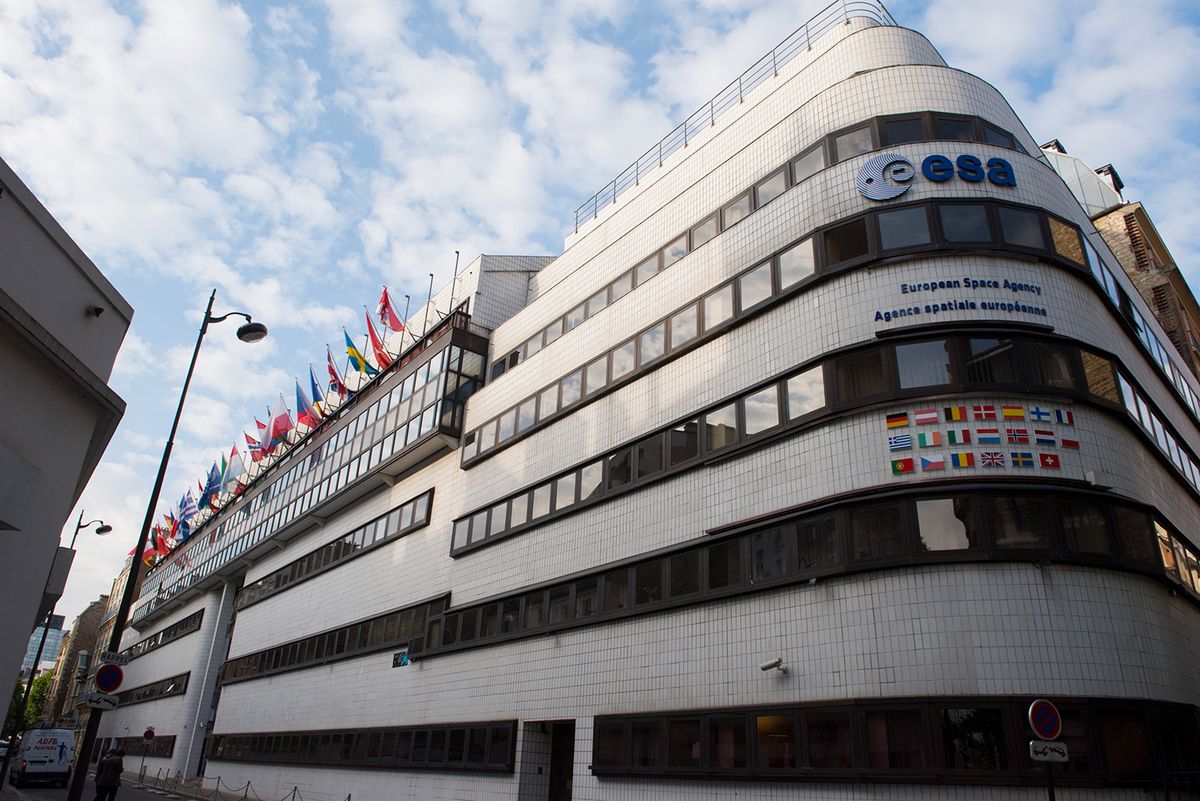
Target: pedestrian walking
{"x":108,"y":775}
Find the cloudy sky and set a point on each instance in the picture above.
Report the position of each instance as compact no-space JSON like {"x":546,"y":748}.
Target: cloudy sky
{"x":296,"y":156}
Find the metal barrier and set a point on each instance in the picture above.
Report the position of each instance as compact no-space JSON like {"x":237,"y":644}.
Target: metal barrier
{"x":837,"y":12}
{"x":175,"y":786}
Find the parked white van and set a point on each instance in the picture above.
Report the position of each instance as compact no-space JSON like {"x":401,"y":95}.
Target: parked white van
{"x":44,"y":755}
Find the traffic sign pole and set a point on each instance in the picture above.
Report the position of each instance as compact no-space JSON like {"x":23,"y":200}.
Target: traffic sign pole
{"x":1046,"y":723}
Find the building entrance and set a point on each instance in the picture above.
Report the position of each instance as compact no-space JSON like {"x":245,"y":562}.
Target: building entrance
{"x":547,"y":760}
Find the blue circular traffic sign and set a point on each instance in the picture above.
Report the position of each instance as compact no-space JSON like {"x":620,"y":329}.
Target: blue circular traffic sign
{"x":1044,"y":719}
{"x":109,"y":678}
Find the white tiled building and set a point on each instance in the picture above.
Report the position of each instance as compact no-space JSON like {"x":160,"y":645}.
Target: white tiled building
{"x":925,"y":455}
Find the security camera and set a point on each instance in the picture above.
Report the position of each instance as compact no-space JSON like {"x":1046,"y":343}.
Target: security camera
{"x":774,"y":664}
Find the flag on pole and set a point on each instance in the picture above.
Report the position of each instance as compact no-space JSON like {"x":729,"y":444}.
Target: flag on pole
{"x":306,"y":413}
{"x":382,"y":357}
{"x":187,"y":507}
{"x":280,"y":423}
{"x":318,"y":396}
{"x":356,"y":358}
{"x":211,"y":489}
{"x":387,"y":315}
{"x":232,"y":471}
{"x":335,"y":378}
{"x":253,"y":448}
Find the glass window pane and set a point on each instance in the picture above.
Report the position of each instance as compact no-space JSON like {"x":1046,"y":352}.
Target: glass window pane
{"x":1066,"y":241}
{"x":597,"y":375}
{"x":649,"y":582}
{"x":596,"y":303}
{"x":727,"y":743}
{"x":877,"y":532}
{"x":903,"y":228}
{"x":953,"y":129}
{"x":571,"y":386}
{"x":590,"y":481}
{"x":964,"y":223}
{"x":724,"y":564}
{"x":973,"y":739}
{"x":1126,"y":741}
{"x":829,"y":743}
{"x":541,"y":502}
{"x":535,"y":609}
{"x":860,"y":375}
{"x":762,"y":410}
{"x":651,"y":344}
{"x":622,"y":286}
{"x":645,"y":744}
{"x":1020,"y":227}
{"x":1053,"y":365}
{"x":1085,"y":527}
{"x":718,"y":307}
{"x":797,"y":263}
{"x":683,"y":327}
{"x":554,"y":331}
{"x":587,"y":598}
{"x":533,"y":345}
{"x":903,"y":131}
{"x":946,"y":524}
{"x":1021,"y":522}
{"x":498,"y":518}
{"x":991,"y":361}
{"x":720,"y":427}
{"x":776,"y":741}
{"x":818,"y":543}
{"x":671,"y":254}
{"x":808,"y":164}
{"x":623,"y":360}
{"x":646,"y":270}
{"x":684,"y":442}
{"x":685,"y":573}
{"x":609,"y":748}
{"x":518,"y":511}
{"x":616,"y":590}
{"x":548,"y":402}
{"x":620,"y":468}
{"x":755,"y":286}
{"x":560,"y":605}
{"x":805,"y":392}
{"x":574,"y":318}
{"x":769,"y":554}
{"x":704,"y":232}
{"x":684,"y":743}
{"x":852,"y":143}
{"x":508,"y":425}
{"x":736,"y":211}
{"x":994,"y":136}
{"x":894,"y":740}
{"x":650,"y":456}
{"x":525,"y":414}
{"x":924,"y":364}
{"x":770,"y":188}
{"x":1135,"y":531}
{"x":564,"y":491}
{"x":846,"y":242}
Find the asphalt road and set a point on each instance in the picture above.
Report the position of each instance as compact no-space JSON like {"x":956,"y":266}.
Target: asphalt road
{"x":46,"y":793}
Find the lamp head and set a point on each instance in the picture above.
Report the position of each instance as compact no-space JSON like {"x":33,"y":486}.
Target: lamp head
{"x":103,"y":529}
{"x":252,"y":332}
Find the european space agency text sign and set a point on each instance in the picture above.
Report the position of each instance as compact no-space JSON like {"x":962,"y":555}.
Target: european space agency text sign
{"x":996,"y":294}
{"x":888,"y":175}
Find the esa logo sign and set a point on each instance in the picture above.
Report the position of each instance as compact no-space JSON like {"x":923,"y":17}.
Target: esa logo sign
{"x":889,"y":176}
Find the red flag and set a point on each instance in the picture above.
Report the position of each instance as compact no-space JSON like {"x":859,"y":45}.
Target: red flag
{"x":256,"y":454}
{"x":335,"y":379}
{"x":387,"y":315}
{"x":280,"y":423}
{"x":381,"y":355}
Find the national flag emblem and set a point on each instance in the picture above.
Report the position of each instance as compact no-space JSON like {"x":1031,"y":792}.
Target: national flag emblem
{"x":928,"y":464}
{"x":900,"y":442}
{"x":1013,"y":412}
{"x":1043,"y":437}
{"x":1073,"y":444}
{"x":897,"y":420}
{"x":987,"y":412}
{"x":955,"y":413}
{"x":925,"y":417}
{"x":902,"y":466}
{"x":991,"y":459}
{"x":987,"y":436}
{"x":958,"y":436}
{"x":929,"y":439}
{"x":1021,"y":459}
{"x":1038,"y":414}
{"x":1049,"y":461}
{"x":962,"y":459}
{"x":1064,"y":417}
{"x":1017,"y":436}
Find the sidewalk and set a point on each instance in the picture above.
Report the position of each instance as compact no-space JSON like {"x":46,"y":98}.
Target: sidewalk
{"x":128,"y":792}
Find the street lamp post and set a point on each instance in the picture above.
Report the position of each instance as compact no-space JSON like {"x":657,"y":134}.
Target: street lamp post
{"x":101,"y":530}
{"x":249,"y":331}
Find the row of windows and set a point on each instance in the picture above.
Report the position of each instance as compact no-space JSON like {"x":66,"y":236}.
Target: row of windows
{"x":833,"y":148}
{"x":163,"y":745}
{"x":176,"y":685}
{"x":896,"y":230}
{"x":171,"y":633}
{"x":405,"y":518}
{"x":483,"y":746}
{"x":379,"y":633}
{"x":934,"y":527}
{"x":872,"y":374}
{"x":962,"y":739}
{"x":431,"y":398}
{"x":1169,"y":443}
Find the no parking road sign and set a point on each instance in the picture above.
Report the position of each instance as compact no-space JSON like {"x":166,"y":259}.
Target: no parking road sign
{"x":1045,"y":720}
{"x":109,"y":678}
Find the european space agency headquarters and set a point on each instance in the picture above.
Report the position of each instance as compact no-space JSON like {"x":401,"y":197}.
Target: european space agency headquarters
{"x":835,"y":436}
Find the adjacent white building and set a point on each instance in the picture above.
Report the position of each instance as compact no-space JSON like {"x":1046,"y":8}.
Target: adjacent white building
{"x":61,"y":324}
{"x":825,"y":447}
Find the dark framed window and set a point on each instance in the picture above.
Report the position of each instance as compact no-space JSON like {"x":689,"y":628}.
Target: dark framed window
{"x":770,"y":188}
{"x":901,"y":130}
{"x":973,"y":738}
{"x":964,"y":222}
{"x":808,"y":163}
{"x":954,"y":129}
{"x":852,"y":142}
{"x":846,"y":242}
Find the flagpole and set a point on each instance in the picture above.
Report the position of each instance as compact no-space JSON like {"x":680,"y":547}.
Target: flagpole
{"x":428,"y":300}
{"x":454,"y":281}
{"x":407,"y":302}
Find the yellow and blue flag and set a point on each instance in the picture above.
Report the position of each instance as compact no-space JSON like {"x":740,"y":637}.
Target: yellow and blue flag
{"x":356,"y":358}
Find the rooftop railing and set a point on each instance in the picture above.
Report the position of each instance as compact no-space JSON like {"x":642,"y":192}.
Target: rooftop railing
{"x":836,"y":13}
